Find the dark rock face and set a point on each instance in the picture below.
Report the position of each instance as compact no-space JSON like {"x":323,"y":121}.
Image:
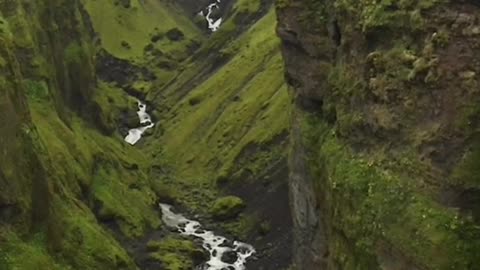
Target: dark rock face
{"x":371,"y":82}
{"x":175,"y":34}
{"x":121,"y":72}
{"x":229,"y":257}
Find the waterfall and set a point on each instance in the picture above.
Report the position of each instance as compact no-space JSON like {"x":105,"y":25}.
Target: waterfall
{"x":135,"y":134}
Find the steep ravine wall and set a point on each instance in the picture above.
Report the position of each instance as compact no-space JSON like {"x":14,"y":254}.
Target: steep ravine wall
{"x":30,"y":57}
{"x":61,"y":179}
{"x":385,"y":147}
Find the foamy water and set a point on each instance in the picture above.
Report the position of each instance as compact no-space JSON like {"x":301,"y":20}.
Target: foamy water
{"x":135,"y":134}
{"x":216,"y":245}
{"x":213,"y":25}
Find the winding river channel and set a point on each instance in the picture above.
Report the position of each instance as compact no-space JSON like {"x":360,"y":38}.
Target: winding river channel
{"x":135,"y":134}
{"x":224,"y":253}
{"x":213,"y":24}
{"x":217,"y":246}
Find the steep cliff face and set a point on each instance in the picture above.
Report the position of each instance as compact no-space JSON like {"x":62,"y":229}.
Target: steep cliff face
{"x":29,"y":56}
{"x":60,"y":177}
{"x":385,"y":153}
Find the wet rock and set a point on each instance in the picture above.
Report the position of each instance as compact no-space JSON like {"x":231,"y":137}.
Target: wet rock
{"x":243,"y":250}
{"x":130,"y":120}
{"x":148,"y":132}
{"x":119,"y":71}
{"x":229,"y":257}
{"x":227,"y":243}
{"x":199,"y":231}
{"x":216,"y":13}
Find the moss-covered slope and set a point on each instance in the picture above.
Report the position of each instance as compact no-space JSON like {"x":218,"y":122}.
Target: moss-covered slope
{"x":386,"y":132}
{"x":61,"y":179}
{"x":242,"y":103}
{"x":223,"y":127}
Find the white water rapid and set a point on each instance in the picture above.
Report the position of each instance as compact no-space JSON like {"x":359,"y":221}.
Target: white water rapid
{"x":212,"y":24}
{"x":135,"y":134}
{"x":216,"y":245}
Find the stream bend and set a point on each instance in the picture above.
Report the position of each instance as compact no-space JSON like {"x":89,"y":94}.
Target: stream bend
{"x":217,"y":246}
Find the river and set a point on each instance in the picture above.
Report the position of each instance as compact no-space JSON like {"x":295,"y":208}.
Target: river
{"x":219,"y":247}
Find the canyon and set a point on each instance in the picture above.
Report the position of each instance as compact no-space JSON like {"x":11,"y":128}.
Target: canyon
{"x":239,"y":134}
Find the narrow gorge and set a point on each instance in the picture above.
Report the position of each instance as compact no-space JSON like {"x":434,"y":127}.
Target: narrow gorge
{"x":239,"y":135}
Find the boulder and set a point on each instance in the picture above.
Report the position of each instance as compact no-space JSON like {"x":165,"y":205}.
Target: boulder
{"x":229,"y":257}
{"x":227,"y":207}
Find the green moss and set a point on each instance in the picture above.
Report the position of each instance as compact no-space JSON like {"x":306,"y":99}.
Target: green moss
{"x":136,"y":24}
{"x":29,"y":255}
{"x":227,"y":207}
{"x":372,"y":204}
{"x":36,"y":89}
{"x":75,"y":53}
{"x":21,"y":27}
{"x":86,"y":244}
{"x":68,"y":180}
{"x":374,"y":15}
{"x":250,"y":6}
{"x":244,"y":103}
{"x":176,"y":253}
{"x":5,"y":29}
{"x":112,"y":102}
{"x":467,"y":172}
{"x":125,"y":209}
{"x":82,"y":151}
{"x":105,"y":173}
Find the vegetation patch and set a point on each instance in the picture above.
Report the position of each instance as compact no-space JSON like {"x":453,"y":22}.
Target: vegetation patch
{"x":373,"y":204}
{"x":227,"y":207}
{"x":176,"y":253}
{"x":135,"y":25}
{"x":244,"y":103}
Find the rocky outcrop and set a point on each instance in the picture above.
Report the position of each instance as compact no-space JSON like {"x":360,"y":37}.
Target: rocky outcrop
{"x":387,"y":97}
